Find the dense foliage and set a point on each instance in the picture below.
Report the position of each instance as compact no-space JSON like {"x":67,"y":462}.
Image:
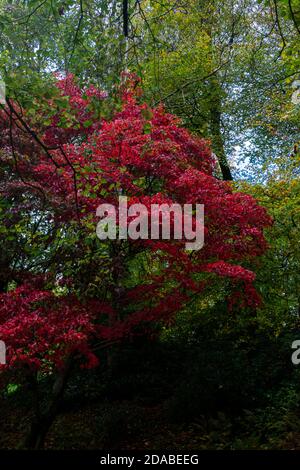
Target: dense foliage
{"x":185,"y":102}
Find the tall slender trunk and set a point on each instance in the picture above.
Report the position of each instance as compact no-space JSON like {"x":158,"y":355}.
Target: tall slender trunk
{"x":215,"y":102}
{"x":216,"y":128}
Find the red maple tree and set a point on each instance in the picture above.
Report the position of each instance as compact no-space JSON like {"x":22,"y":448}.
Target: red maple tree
{"x":67,"y":171}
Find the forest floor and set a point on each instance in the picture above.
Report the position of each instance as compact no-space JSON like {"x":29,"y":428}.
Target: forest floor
{"x":128,"y":425}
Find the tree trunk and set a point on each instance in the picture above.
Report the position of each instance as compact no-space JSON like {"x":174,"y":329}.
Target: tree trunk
{"x":215,"y":128}
{"x":43,"y":420}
